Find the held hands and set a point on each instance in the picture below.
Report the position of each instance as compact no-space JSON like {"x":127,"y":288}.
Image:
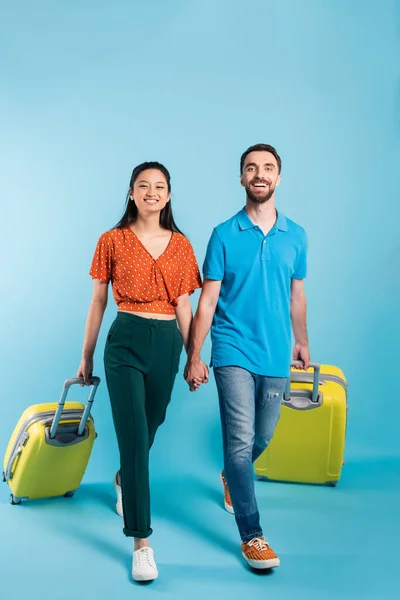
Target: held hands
{"x":85,"y":370}
{"x":196,"y":373}
{"x":301,"y":352}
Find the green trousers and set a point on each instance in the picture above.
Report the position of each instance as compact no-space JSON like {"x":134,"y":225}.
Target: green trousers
{"x":141,"y":361}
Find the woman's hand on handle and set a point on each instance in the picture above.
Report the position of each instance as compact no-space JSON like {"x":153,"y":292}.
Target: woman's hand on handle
{"x":85,"y":370}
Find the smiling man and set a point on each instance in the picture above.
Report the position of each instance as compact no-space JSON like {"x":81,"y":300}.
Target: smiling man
{"x":253,"y":291}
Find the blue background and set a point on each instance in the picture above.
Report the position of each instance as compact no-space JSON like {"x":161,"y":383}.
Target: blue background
{"x":90,"y":89}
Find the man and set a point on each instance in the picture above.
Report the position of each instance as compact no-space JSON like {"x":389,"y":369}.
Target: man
{"x":253,"y":289}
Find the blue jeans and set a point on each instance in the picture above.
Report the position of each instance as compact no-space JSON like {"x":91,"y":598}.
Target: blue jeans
{"x":250,"y":406}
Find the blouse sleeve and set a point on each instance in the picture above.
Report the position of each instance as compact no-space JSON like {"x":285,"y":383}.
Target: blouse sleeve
{"x":190,"y":280}
{"x":102,"y":259}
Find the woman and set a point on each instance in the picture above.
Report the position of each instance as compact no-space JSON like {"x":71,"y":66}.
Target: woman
{"x":153,"y":270}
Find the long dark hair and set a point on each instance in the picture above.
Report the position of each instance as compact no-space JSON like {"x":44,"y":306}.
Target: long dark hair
{"x":131,"y":211}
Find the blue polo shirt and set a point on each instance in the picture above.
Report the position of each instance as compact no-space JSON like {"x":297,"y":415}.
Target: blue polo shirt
{"x":251,"y":326}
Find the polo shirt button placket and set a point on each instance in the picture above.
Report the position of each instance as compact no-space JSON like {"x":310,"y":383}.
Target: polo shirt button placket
{"x":265,"y":249}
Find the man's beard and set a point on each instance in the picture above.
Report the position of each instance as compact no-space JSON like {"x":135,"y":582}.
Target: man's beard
{"x":259,"y":199}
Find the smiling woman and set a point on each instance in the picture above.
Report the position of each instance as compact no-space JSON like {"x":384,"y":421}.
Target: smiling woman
{"x":150,"y":185}
{"x":153,"y":270}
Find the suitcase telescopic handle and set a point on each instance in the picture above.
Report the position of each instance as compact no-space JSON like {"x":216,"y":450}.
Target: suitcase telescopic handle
{"x":317,"y":370}
{"x":94,"y":383}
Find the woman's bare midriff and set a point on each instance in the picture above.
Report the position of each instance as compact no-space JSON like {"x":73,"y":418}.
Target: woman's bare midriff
{"x":150,"y":316}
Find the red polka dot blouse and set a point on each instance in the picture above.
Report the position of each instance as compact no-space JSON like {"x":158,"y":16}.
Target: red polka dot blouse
{"x":141,"y":283}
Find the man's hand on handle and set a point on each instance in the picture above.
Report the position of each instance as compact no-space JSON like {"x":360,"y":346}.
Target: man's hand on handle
{"x":301,"y":352}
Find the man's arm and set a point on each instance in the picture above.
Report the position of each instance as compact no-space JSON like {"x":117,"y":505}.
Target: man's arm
{"x":298,"y":316}
{"x":201,"y":325}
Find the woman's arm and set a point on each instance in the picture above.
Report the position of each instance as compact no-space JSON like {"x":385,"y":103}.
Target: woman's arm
{"x":184,"y":316}
{"x":93,"y":322}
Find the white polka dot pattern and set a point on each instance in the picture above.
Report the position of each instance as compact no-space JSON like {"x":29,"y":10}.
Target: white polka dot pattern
{"x":141,"y":283}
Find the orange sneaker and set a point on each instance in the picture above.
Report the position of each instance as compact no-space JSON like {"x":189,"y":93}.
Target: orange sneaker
{"x":227,"y":496}
{"x":259,"y":554}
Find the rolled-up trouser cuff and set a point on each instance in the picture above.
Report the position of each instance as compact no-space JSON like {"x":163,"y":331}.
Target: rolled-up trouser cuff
{"x":137,"y":534}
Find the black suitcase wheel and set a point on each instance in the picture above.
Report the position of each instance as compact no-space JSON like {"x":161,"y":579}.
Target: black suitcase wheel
{"x":14,"y":500}
{"x":69,"y":494}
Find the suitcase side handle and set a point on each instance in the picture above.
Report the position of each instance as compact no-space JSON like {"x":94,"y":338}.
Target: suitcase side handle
{"x":317,"y":370}
{"x":9,"y":471}
{"x":94,"y":383}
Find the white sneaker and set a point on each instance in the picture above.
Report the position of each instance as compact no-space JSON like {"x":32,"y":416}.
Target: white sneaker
{"x":144,"y":567}
{"x":118,"y":491}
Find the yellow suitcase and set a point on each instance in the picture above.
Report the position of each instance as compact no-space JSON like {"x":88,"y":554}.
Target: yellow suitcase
{"x":308,"y":443}
{"x":50,"y":447}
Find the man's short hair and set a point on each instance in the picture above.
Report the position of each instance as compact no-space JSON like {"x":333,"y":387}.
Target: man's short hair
{"x":261,"y":148}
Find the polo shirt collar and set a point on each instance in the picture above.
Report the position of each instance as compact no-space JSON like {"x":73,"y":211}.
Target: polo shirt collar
{"x":246,"y":223}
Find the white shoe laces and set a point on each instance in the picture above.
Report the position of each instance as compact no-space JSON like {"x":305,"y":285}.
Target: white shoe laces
{"x":144,"y":557}
{"x":258,"y":543}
